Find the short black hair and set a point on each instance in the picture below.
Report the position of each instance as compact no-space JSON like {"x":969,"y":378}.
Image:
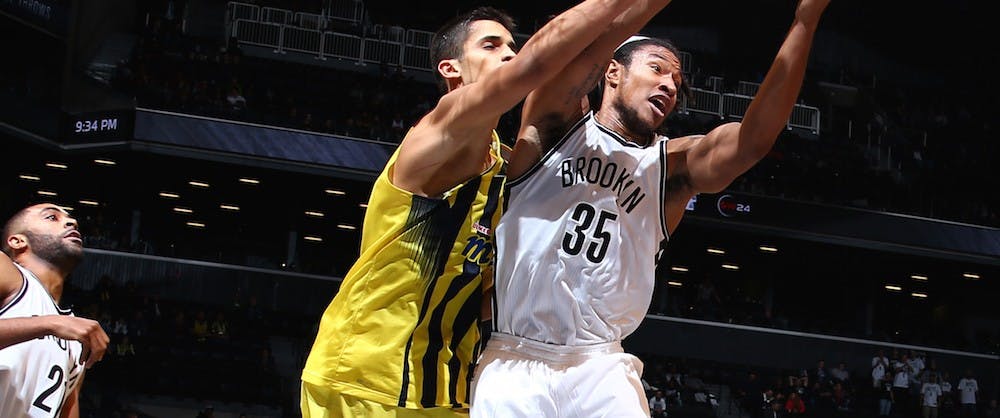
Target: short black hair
{"x":448,"y":40}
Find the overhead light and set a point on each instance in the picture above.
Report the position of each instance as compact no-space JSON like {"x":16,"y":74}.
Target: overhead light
{"x":312,"y":238}
{"x":67,"y":208}
{"x":315,"y":214}
{"x":893,"y":287}
{"x":105,"y":162}
{"x":730,"y":267}
{"x":970,"y":276}
{"x":29,"y":177}
{"x":170,"y":195}
{"x":347,"y":227}
{"x":919,"y":295}
{"x":249,"y":181}
{"x":675,"y":284}
{"x":679,"y":269}
{"x":183,"y":210}
{"x":59,"y":166}
{"x":716,"y":251}
{"x":198,"y":184}
{"x":363,"y":205}
{"x":229,"y":207}
{"x":336,"y":192}
{"x":47,"y":193}
{"x":89,"y":202}
{"x":195,"y":224}
{"x":768,"y":249}
{"x":919,"y":277}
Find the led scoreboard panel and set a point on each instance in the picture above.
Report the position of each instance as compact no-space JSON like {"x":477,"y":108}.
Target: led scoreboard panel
{"x":100,"y":126}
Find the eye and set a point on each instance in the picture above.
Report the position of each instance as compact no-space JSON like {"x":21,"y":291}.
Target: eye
{"x":51,"y":217}
{"x":656,"y":67}
{"x":489,"y":46}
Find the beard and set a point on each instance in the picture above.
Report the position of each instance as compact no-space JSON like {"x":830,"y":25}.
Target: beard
{"x":55,"y":251}
{"x":630,"y":121}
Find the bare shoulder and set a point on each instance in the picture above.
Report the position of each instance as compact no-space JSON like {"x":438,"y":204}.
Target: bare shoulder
{"x":10,"y":277}
{"x":684,"y":143}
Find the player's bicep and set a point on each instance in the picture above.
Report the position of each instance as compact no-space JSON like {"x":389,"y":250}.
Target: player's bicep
{"x":714,"y":161}
{"x":10,"y":277}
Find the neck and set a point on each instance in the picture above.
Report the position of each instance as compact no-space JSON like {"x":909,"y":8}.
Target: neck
{"x":612,"y":119}
{"x":52,"y":277}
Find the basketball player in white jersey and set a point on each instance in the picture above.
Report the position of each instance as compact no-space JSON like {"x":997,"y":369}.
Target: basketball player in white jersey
{"x":592,"y":199}
{"x":44,"y":349}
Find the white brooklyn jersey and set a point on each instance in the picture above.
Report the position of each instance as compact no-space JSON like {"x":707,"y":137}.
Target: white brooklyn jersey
{"x":36,"y":375}
{"x":577,"y":246}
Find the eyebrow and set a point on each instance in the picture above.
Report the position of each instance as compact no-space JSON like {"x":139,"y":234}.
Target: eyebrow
{"x":53,"y":208}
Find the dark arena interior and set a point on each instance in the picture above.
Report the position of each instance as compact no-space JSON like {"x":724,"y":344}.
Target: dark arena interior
{"x":219,"y":157}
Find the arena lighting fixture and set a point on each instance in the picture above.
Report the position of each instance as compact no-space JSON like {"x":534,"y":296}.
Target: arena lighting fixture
{"x":105,"y":162}
{"x":249,"y":180}
{"x":315,"y":214}
{"x":67,"y":208}
{"x":89,"y":202}
{"x":183,"y":210}
{"x":195,"y":224}
{"x":335,"y":192}
{"x":229,"y":207}
{"x":59,"y":166}
{"x":170,"y":195}
{"x":198,"y":184}
{"x":29,"y":177}
{"x":675,"y":284}
{"x":679,"y":269}
{"x":363,"y":205}
{"x":730,"y":267}
{"x":919,"y":277}
{"x":893,"y":288}
{"x":347,"y":227}
{"x":716,"y":251}
{"x":47,"y":193}
{"x":919,"y":295}
{"x":973,"y":276}
{"x":768,"y":249}
{"x":312,"y":238}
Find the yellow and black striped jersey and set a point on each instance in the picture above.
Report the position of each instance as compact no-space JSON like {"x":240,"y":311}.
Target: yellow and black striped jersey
{"x":404,"y":327}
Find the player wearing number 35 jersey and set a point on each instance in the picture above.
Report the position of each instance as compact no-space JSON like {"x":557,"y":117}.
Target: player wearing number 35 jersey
{"x":578,"y":268}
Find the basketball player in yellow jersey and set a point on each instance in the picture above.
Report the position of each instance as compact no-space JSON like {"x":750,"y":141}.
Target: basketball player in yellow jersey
{"x":401,"y":336}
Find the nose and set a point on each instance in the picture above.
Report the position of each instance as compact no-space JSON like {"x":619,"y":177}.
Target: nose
{"x":667,"y":85}
{"x":71,"y":223}
{"x":508,"y":54}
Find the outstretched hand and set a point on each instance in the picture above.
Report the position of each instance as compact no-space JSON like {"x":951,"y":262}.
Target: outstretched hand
{"x":88,"y":332}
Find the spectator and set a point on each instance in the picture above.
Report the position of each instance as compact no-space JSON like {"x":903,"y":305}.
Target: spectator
{"x":968,"y":388}
{"x":658,"y":405}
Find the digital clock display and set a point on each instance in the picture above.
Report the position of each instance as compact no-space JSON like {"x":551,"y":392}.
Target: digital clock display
{"x":97,"y":125}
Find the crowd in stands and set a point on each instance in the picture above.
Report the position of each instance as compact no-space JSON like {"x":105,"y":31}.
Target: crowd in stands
{"x":894,"y":150}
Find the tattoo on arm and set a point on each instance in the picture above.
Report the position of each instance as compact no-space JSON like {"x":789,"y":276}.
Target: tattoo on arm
{"x":581,"y":90}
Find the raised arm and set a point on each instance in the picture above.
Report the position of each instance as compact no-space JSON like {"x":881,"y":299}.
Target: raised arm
{"x":729,"y":150}
{"x":561,"y":101}
{"x":449,"y":144}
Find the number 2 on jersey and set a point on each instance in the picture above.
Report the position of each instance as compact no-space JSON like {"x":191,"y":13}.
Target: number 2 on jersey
{"x":56,"y":374}
{"x":597,"y":236}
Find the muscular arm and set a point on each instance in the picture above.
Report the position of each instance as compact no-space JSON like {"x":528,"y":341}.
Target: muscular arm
{"x":549,"y":109}
{"x":450,"y":144}
{"x":731,"y":149}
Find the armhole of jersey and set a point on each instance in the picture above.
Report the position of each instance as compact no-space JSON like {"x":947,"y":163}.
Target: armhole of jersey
{"x":20,"y":293}
{"x":663,"y":189}
{"x":548,"y":154}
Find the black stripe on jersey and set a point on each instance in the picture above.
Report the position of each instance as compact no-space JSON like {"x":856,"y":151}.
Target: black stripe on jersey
{"x":618,"y":136}
{"x":20,"y":294}
{"x":467,"y":320}
{"x":663,"y":189}
{"x":436,"y":341}
{"x":436,"y":234}
{"x":541,"y":161}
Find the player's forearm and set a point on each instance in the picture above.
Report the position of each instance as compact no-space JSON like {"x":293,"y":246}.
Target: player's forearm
{"x":18,"y":330}
{"x":563,"y":38}
{"x":770,"y":109}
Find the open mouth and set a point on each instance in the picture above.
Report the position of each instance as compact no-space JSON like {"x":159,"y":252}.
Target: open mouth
{"x":75,"y":236}
{"x":660,"y":103}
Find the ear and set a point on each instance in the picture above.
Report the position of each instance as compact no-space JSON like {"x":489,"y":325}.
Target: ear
{"x":17,"y":241}
{"x":450,"y":69}
{"x":612,"y":76}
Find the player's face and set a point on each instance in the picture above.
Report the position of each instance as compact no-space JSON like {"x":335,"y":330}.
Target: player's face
{"x":489,"y":46}
{"x":53,"y":236}
{"x":648,"y":87}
